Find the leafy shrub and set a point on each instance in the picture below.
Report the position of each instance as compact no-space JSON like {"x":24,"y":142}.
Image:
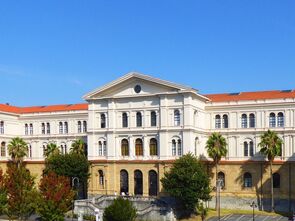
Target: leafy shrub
{"x":120,"y":210}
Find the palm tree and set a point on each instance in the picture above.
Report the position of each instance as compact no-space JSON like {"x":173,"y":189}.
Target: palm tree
{"x":51,"y":149}
{"x":271,"y":145}
{"x":78,"y":147}
{"x":216,"y":149}
{"x":17,"y":149}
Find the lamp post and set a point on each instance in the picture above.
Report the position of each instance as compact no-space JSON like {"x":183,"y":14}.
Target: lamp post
{"x":73,"y":186}
{"x":253,"y":205}
{"x":219,"y":185}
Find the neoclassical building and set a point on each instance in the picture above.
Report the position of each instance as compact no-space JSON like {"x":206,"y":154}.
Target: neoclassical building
{"x":137,"y":125}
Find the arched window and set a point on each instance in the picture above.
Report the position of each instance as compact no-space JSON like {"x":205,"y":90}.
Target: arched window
{"x":124,"y":182}
{"x":84,"y":126}
{"x":138,"y":147}
{"x":43,"y":128}
{"x":246,"y":149}
{"x":124,"y":147}
{"x":26,"y":129}
{"x":138,"y":184}
{"x":31,"y":129}
{"x":102,"y":148}
{"x":281,"y":119}
{"x":247,"y":180}
{"x":153,"y":147}
{"x":217,"y":121}
{"x":102,"y":121}
{"x":179,"y":148}
{"x":272,"y":120}
{"x":66,"y":128}
{"x":124,"y":120}
{"x":251,"y":148}
{"x":173,"y":147}
{"x":153,"y":183}
{"x":153,"y":119}
{"x":30,"y":151}
{"x":252,"y":120}
{"x":63,"y":148}
{"x":101,"y":177}
{"x":138,"y":119}
{"x":244,"y":121}
{"x":79,"y":127}
{"x":196,"y":145}
{"x":60,"y":127}
{"x":48,"y":128}
{"x":276,"y":180}
{"x":195,"y":123}
{"x":221,"y":179}
{"x":280,"y":151}
{"x":44,"y":147}
{"x":225,"y":121}
{"x":176,"y":118}
{"x":1,"y":127}
{"x":3,"y":149}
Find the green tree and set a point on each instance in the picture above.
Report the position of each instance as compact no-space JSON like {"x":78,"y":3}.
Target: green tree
{"x":51,"y":149}
{"x":202,"y":211}
{"x":216,"y":149}
{"x":78,"y":147}
{"x":188,"y":182}
{"x":120,"y":210}
{"x":3,"y":194}
{"x":56,"y":197}
{"x":271,"y":145}
{"x":17,"y":149}
{"x":70,"y":165}
{"x":21,"y":193}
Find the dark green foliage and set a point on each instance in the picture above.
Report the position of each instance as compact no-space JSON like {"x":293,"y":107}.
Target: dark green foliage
{"x":120,"y":210}
{"x":3,"y":194}
{"x":188,"y":182}
{"x":69,"y":165}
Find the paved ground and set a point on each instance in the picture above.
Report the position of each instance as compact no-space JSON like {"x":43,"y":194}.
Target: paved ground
{"x":234,"y":217}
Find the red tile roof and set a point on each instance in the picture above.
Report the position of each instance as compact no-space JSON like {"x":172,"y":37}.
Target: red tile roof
{"x":41,"y":109}
{"x":259,"y":95}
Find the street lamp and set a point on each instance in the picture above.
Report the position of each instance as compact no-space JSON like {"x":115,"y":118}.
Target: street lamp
{"x":219,"y":185}
{"x":253,"y":205}
{"x":73,"y":186}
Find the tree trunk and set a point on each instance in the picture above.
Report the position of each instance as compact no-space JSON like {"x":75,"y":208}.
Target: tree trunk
{"x":271,"y":188}
{"x":216,"y":187}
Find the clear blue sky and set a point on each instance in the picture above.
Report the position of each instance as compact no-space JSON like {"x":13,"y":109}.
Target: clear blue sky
{"x":53,"y":52}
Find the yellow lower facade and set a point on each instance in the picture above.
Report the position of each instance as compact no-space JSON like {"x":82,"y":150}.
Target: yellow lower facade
{"x":106,"y":177}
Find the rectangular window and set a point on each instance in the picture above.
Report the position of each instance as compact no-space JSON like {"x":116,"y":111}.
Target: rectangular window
{"x":1,"y":127}
{"x":84,"y":126}
{"x":153,"y":119}
{"x":48,"y":128}
{"x":31,"y":129}
{"x":43,"y":128}
{"x":26,"y":129}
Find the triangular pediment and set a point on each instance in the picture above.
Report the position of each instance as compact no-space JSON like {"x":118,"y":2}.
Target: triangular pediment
{"x":125,"y":87}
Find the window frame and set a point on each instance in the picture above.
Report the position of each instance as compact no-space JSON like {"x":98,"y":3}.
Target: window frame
{"x":248,"y":180}
{"x":177,"y":117}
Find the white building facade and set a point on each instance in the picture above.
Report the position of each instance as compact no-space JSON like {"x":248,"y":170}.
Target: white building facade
{"x":137,"y":125}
